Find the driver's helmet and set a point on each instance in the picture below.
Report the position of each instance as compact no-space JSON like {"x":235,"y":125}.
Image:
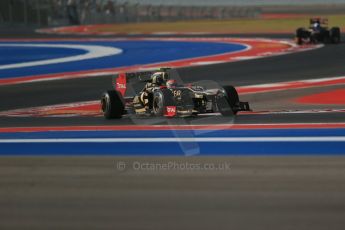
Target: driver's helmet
{"x":316,"y":25}
{"x":159,"y":78}
{"x":171,"y":84}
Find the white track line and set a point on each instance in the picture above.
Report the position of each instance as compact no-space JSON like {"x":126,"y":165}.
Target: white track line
{"x":92,"y":51}
{"x":176,"y":139}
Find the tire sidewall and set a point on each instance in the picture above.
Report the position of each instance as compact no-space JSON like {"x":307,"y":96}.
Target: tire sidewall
{"x":335,"y":35}
{"x":227,"y":100}
{"x":112,"y":104}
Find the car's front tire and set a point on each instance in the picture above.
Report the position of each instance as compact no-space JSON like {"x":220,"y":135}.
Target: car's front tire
{"x":112,"y":104}
{"x":335,"y":35}
{"x":227,"y":101}
{"x":300,"y":35}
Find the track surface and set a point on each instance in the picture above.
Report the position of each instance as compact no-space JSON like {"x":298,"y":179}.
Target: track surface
{"x":256,"y":193}
{"x":90,"y":193}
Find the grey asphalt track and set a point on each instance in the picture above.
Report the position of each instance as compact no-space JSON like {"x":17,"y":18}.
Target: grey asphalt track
{"x":259,"y":193}
{"x":304,"y":192}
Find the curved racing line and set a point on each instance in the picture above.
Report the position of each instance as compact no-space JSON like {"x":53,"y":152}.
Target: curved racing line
{"x":234,"y":49}
{"x":91,"y":52}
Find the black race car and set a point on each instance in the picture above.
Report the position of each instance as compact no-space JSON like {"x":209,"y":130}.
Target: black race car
{"x":156,"y":93}
{"x":318,"y":32}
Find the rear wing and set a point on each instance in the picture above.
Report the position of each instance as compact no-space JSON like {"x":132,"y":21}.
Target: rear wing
{"x":321,"y":21}
{"x":136,"y":80}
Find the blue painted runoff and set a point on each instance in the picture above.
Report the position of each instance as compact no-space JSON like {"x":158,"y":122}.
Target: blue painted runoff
{"x":134,"y":53}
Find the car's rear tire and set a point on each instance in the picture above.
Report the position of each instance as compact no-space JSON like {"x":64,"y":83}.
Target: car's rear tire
{"x":112,"y":104}
{"x":161,"y":99}
{"x":335,"y":35}
{"x":227,"y":101}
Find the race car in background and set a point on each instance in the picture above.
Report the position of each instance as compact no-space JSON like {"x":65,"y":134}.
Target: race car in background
{"x":156,"y":93}
{"x":318,"y":32}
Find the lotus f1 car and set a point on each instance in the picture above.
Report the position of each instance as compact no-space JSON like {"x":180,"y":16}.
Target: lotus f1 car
{"x":318,"y":32}
{"x":155,"y":93}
